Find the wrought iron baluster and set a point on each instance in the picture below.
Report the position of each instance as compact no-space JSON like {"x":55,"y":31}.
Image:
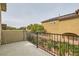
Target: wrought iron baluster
{"x":60,"y":45}
{"x":37,"y":39}
{"x":73,"y":46}
{"x":68,"y":44}
{"x":78,"y":44}
{"x":57,"y":43}
{"x":64,"y":44}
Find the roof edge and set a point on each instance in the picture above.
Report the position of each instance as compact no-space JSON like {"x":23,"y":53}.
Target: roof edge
{"x":67,"y":16}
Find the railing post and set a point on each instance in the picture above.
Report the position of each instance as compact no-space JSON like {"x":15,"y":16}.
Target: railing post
{"x":37,"y":39}
{"x":23,"y":35}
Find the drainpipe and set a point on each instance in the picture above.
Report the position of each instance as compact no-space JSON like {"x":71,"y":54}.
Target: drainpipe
{"x":0,"y":27}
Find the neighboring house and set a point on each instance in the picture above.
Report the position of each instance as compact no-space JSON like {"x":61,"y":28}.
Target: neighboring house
{"x":4,"y":26}
{"x":68,"y":23}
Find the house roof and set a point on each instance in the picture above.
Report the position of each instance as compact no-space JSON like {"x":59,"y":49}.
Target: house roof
{"x":63,"y":17}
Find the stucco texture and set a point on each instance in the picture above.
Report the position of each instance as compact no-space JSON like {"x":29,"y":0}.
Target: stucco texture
{"x":64,"y":26}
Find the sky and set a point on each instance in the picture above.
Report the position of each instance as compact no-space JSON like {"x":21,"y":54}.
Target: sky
{"x":23,"y":14}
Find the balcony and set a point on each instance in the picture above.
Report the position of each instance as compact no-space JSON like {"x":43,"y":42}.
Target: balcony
{"x":38,"y":44}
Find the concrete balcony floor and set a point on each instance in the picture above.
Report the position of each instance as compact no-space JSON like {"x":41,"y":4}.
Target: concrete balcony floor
{"x":22,"y":48}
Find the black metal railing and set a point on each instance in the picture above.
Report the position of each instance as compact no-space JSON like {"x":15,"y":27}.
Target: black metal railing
{"x":56,"y":44}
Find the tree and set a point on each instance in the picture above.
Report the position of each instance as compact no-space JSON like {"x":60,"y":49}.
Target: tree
{"x":36,"y":28}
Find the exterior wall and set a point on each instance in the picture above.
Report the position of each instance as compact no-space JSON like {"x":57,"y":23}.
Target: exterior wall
{"x":9,"y":36}
{"x":64,"y":26}
{"x":51,"y":27}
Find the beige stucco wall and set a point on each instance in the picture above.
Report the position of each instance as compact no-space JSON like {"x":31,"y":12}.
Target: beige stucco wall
{"x":65,"y":26}
{"x":50,"y":27}
{"x":9,"y":36}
